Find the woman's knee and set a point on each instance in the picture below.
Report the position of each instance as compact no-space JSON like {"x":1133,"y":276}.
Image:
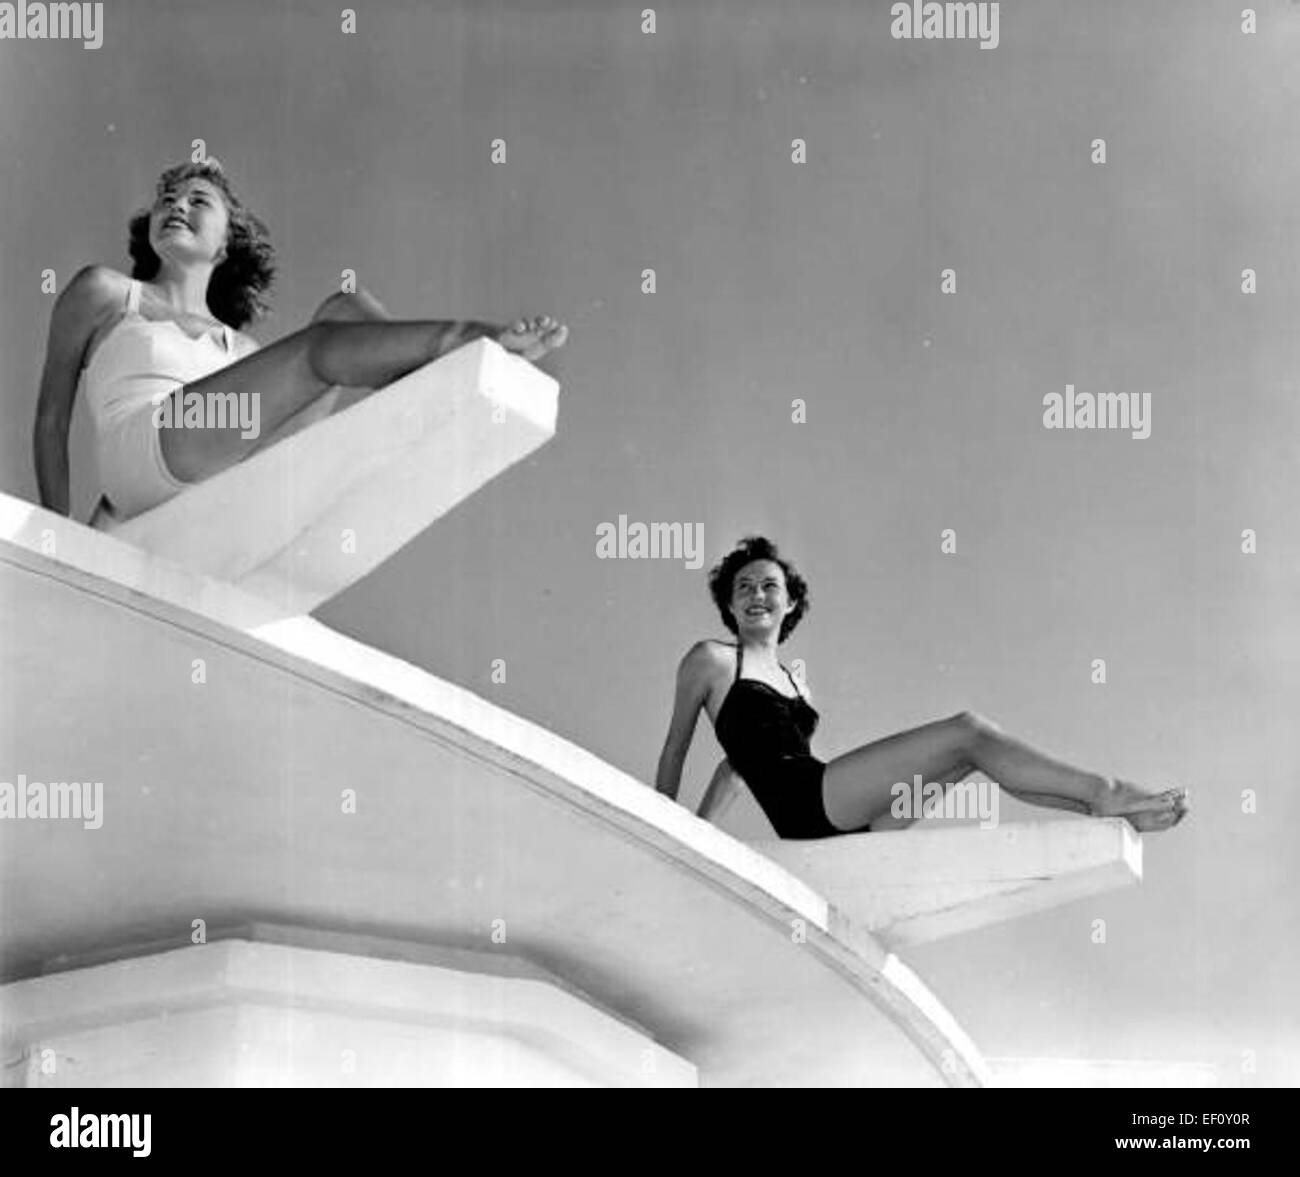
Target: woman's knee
{"x":314,"y":339}
{"x":974,"y":727}
{"x":356,"y":306}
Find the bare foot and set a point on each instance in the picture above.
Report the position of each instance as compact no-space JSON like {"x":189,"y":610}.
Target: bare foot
{"x":1145,"y":812}
{"x":533,"y":338}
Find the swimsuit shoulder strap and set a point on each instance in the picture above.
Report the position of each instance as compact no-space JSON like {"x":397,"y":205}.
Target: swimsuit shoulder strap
{"x":129,"y":307}
{"x":793,"y":683}
{"x":740,"y":660}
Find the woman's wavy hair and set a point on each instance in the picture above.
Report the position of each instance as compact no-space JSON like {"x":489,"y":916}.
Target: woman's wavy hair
{"x":723,"y":576}
{"x":237,"y":288}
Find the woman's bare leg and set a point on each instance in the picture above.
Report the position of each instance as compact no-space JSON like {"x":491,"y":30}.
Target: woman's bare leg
{"x":358,"y":307}
{"x":295,"y":371}
{"x":858,"y":786}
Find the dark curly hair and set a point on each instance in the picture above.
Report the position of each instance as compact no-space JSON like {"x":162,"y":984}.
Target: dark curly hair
{"x":723,"y":575}
{"x":238,"y":284}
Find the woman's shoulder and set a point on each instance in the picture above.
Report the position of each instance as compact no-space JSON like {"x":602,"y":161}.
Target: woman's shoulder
{"x":98,"y":273}
{"x":712,"y":648}
{"x":88,"y":306}
{"x":97,"y":287}
{"x":709,"y":655}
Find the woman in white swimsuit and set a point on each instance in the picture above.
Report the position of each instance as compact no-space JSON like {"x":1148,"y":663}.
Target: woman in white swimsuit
{"x":202,"y":265}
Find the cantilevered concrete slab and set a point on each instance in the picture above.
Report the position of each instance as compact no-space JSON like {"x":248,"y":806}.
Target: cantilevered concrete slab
{"x":304,"y":779}
{"x":913,"y":886}
{"x":302,"y":519}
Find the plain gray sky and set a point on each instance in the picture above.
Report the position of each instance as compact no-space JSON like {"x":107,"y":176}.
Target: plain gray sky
{"x":818,"y":280}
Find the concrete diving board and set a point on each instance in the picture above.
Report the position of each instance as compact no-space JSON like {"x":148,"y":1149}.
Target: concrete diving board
{"x":301,"y":520}
{"x":917,"y":885}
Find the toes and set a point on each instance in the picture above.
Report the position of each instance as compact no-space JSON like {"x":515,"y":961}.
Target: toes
{"x":1155,"y":821}
{"x":533,"y":338}
{"x":1176,"y":800}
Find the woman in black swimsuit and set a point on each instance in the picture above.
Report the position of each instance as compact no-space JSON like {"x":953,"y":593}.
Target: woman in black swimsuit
{"x":764,"y":722}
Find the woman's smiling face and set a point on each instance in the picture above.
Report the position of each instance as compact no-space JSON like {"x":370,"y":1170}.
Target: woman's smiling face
{"x":759,"y":599}
{"x":189,"y":222}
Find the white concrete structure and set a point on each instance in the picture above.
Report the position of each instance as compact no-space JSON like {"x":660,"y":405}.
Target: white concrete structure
{"x":939,"y":882}
{"x":263,"y":1010}
{"x":302,"y":519}
{"x":307,"y":847}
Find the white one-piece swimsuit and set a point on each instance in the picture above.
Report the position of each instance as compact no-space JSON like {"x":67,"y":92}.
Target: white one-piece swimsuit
{"x":137,"y":364}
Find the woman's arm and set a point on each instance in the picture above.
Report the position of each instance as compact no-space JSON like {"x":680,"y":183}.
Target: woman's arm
{"x":79,"y":309}
{"x":692,"y":688}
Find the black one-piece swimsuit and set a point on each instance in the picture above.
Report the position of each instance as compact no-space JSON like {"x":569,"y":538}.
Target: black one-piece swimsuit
{"x":765,"y":735}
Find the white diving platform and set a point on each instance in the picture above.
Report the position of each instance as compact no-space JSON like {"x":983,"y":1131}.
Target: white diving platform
{"x":319,"y":857}
{"x":302,"y":519}
{"x":922,"y":884}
